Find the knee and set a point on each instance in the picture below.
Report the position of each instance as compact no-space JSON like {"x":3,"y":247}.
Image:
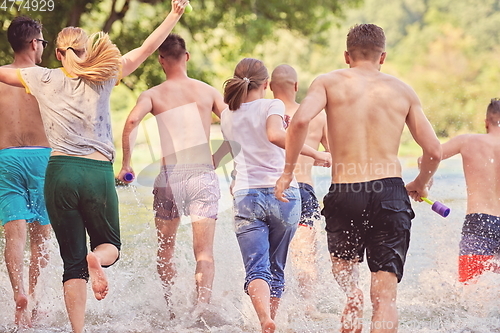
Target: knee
{"x":206,"y":260}
{"x":383,"y":298}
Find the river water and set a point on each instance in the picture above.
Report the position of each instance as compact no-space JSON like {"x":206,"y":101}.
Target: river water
{"x":429,"y":297}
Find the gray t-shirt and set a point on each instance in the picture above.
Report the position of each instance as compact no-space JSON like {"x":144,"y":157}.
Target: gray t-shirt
{"x":75,"y":112}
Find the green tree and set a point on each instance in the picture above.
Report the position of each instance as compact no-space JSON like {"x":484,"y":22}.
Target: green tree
{"x":227,"y":26}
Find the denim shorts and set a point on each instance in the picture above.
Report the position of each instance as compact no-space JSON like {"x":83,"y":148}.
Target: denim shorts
{"x":264,"y":227}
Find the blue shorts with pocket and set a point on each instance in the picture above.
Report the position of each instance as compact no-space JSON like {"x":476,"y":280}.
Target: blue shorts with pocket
{"x":22,"y":175}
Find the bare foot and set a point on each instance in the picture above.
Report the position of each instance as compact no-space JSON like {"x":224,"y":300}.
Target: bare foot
{"x":268,"y":326}
{"x":211,"y":315}
{"x":97,"y":277}
{"x":37,"y":315}
{"x":22,"y":318}
{"x":313,"y":313}
{"x":352,"y":317}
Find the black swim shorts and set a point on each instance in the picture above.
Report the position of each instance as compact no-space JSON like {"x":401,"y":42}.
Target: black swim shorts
{"x":310,"y":206}
{"x":375,"y":216}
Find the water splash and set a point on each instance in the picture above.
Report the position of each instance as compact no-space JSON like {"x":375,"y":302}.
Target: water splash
{"x":429,"y":297}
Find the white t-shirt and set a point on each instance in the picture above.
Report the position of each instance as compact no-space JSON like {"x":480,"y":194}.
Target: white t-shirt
{"x":259,"y":163}
{"x":75,"y":113}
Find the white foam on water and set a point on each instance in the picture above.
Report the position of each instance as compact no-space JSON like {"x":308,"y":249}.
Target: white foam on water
{"x":429,"y":297}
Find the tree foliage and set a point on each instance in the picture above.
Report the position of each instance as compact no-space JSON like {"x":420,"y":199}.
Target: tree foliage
{"x":225,"y":25}
{"x":447,"y":50}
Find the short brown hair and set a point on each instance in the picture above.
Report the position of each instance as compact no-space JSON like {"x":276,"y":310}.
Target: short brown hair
{"x":493,"y":111}
{"x":173,"y":47}
{"x":249,"y":74}
{"x":365,"y":41}
{"x":21,"y":31}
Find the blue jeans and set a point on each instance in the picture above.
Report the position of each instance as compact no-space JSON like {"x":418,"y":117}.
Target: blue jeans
{"x":264,"y":227}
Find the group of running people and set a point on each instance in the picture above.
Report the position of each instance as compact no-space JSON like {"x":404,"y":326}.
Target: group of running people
{"x":59,"y":136}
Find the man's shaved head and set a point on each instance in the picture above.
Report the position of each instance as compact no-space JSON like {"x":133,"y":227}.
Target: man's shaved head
{"x":283,"y":76}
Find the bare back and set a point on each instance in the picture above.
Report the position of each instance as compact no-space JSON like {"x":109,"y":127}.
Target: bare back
{"x":21,"y":123}
{"x":183,"y":110}
{"x":366,"y":112}
{"x":481,"y":163}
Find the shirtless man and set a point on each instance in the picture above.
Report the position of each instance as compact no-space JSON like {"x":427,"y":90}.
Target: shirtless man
{"x":187,"y":184}
{"x":481,"y":163}
{"x":367,"y":206}
{"x":284,"y":86}
{"x":24,"y":154}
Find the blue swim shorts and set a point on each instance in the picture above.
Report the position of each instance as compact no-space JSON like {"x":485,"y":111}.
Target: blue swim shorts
{"x":22,"y":174}
{"x":479,"y":244}
{"x":480,"y":235}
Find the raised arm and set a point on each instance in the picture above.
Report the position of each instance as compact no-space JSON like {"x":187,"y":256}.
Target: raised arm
{"x":10,"y":76}
{"x":143,"y":106}
{"x":311,"y":106}
{"x":133,"y":59}
{"x":424,"y":135}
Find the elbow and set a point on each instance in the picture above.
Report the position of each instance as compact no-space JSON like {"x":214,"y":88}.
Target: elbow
{"x":277,"y":138}
{"x":274,"y":139}
{"x":131,"y":123}
{"x":299,"y":123}
{"x":434,"y":153}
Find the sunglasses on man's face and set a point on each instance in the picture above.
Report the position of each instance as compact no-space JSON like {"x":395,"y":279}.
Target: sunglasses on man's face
{"x":44,"y":42}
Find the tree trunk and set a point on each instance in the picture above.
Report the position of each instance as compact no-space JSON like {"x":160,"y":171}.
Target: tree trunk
{"x":115,"y":15}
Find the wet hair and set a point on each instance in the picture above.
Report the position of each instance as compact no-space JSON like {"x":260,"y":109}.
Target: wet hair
{"x":173,"y":47}
{"x":22,"y":30}
{"x":101,"y":58}
{"x":493,"y":111}
{"x":365,"y":41}
{"x":249,"y":74}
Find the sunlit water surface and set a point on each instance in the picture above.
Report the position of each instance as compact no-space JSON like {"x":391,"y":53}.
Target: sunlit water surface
{"x":429,"y":298}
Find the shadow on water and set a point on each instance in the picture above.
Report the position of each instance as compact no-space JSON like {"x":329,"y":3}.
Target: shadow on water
{"x":429,"y":298}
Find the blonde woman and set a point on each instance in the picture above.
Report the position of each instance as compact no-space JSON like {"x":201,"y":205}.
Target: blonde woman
{"x":79,"y":184}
